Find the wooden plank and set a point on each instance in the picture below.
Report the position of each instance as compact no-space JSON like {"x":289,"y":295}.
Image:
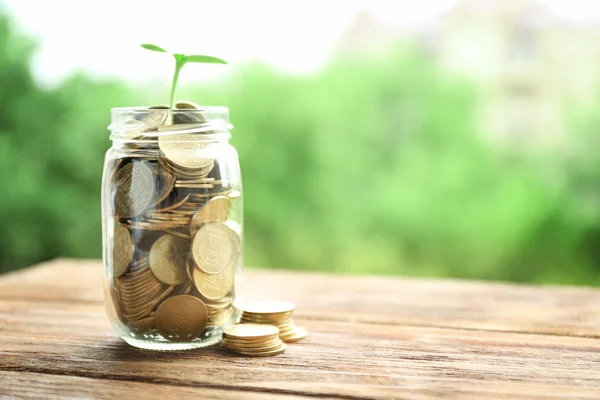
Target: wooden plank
{"x":340,"y":359}
{"x":381,"y":300}
{"x":26,"y":385}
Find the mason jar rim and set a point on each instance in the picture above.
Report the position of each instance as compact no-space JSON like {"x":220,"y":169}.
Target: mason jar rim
{"x":127,"y":123}
{"x":144,"y":109}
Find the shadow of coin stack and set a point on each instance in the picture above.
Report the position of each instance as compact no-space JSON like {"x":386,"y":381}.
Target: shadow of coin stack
{"x":175,"y":247}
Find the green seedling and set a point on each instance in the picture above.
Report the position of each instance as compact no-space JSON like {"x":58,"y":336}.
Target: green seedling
{"x":180,"y":61}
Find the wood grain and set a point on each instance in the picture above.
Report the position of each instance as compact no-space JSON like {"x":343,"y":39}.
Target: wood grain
{"x":26,"y":385}
{"x":369,"y":337}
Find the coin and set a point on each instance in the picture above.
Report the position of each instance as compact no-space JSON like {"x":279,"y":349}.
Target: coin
{"x":299,"y":334}
{"x":184,"y":150}
{"x":186,"y":105}
{"x":279,"y":350}
{"x":213,"y":249}
{"x":122,"y":251}
{"x":236,"y":241}
{"x":189,"y":267}
{"x":284,"y":326}
{"x":257,"y":349}
{"x":215,"y":211}
{"x":245,"y":344}
{"x":250,"y":331}
{"x":134,"y":189}
{"x":213,"y":286}
{"x":152,"y":119}
{"x":168,"y":259}
{"x":274,"y":319}
{"x":197,"y":172}
{"x":181,"y":318}
{"x":180,"y":118}
{"x":166,"y":182}
{"x":144,"y":325}
{"x":269,"y":307}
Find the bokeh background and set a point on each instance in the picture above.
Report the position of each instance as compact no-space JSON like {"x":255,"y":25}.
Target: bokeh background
{"x":444,"y":138}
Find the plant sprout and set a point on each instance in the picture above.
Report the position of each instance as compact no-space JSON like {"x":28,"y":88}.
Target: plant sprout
{"x":180,"y":61}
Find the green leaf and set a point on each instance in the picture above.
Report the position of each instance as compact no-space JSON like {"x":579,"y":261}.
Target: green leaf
{"x":153,"y":47}
{"x":204,"y":59}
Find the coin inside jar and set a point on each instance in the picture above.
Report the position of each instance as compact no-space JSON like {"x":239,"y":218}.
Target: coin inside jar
{"x":184,"y":150}
{"x":135,"y":189}
{"x":213,"y":249}
{"x":165,"y":183}
{"x":213,"y":286}
{"x":187,"y":118}
{"x":122,"y":251}
{"x":215,"y":211}
{"x":168,"y":259}
{"x":181,"y":318}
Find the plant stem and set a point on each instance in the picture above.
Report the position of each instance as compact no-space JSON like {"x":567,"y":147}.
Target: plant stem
{"x":178,"y":65}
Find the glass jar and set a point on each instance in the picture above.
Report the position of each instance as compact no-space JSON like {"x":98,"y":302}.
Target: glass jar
{"x":172,"y":226}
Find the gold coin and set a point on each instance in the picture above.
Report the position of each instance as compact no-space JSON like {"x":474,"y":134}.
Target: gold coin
{"x":184,"y":118}
{"x":133,"y":293}
{"x":186,"y":105}
{"x":168,"y":259}
{"x":130,"y":281}
{"x":213,"y":286}
{"x":282,"y":327}
{"x":276,"y":318}
{"x":181,"y":318}
{"x":236,"y":241}
{"x":212,"y":248}
{"x":269,"y":307}
{"x":279,"y":350}
{"x":216,"y":307}
{"x":274,"y":340}
{"x":122,"y":251}
{"x":166,"y":183}
{"x":299,"y":334}
{"x":250,"y":331}
{"x":184,"y":150}
{"x":215,"y":211}
{"x":142,"y":292}
{"x":253,"y":339}
{"x":153,"y":119}
{"x":257,"y":349}
{"x":139,"y":263}
{"x":134,"y":190}
{"x":189,"y":268}
{"x":135,"y":274}
{"x":150,"y":302}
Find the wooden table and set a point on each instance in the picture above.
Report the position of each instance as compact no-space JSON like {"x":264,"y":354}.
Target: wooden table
{"x":369,"y":338}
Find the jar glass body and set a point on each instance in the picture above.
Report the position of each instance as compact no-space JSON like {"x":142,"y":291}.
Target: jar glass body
{"x":172,"y":227}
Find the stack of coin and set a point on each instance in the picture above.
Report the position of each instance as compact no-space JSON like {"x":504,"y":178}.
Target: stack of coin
{"x":276,"y":313}
{"x":253,"y":340}
{"x":139,"y":292}
{"x":175,"y":248}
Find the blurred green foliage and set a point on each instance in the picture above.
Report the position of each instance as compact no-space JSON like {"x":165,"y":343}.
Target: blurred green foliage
{"x":366,"y":166}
